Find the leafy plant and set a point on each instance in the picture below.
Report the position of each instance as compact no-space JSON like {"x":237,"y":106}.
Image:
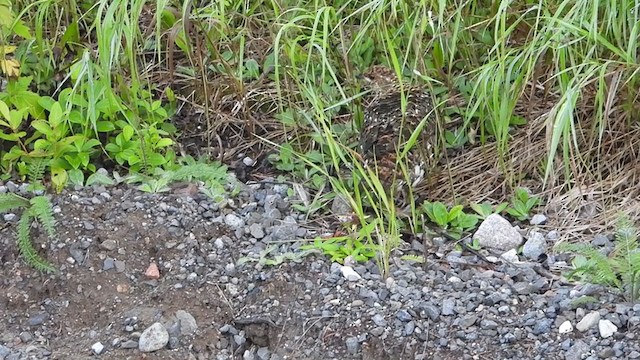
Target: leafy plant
{"x":37,"y":209}
{"x":214,"y":176}
{"x":521,"y":204}
{"x":454,"y":221}
{"x":485,"y":209}
{"x":339,"y":247}
{"x":620,"y":268}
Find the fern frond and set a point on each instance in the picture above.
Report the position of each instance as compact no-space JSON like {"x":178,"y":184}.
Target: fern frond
{"x":203,"y":172}
{"x":598,"y":269}
{"x":26,"y":247}
{"x":42,"y":210}
{"x":36,"y":169}
{"x":12,"y":201}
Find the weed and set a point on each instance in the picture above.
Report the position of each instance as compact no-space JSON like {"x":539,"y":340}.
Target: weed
{"x":521,"y":204}
{"x":485,"y":209}
{"x":619,"y":269}
{"x":454,"y":221}
{"x":37,"y":209}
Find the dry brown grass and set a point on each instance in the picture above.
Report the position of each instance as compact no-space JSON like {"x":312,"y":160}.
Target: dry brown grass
{"x":582,"y":197}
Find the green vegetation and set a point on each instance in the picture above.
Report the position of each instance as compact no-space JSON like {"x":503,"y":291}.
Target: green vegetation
{"x":115,"y":84}
{"x":39,"y":209}
{"x":620,"y":268}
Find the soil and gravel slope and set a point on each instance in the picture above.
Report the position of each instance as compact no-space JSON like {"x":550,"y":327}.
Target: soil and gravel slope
{"x":210,"y":303}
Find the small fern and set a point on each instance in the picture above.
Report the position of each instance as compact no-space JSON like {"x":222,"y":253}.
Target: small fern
{"x":620,"y":269}
{"x":12,"y":201}
{"x":38,"y":208}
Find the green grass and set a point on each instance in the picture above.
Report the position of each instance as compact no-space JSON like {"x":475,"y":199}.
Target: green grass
{"x":119,"y":70}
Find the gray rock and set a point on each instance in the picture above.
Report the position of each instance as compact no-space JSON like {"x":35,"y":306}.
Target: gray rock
{"x":353,"y":345}
{"x":285,"y":231}
{"x":153,"y":338}
{"x":263,"y":353}
{"x":534,"y":246}
{"x":577,"y":351}
{"x":188,"y":325}
{"x":340,"y":206}
{"x":4,"y":351}
{"x":448,"y":306}
{"x":403,"y":315}
{"x":129,"y":344}
{"x":538,"y":219}
{"x":431,"y":311}
{"x":588,"y":321}
{"x":239,"y":339}
{"x":542,"y":326}
{"x":38,"y":319}
{"x":108,"y":245}
{"x":409,"y":328}
{"x":379,"y":320}
{"x":233,"y":221}
{"x":26,"y":336}
{"x":256,"y":230}
{"x":497,"y":233}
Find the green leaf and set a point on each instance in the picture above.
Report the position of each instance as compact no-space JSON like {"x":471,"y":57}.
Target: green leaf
{"x":43,"y":127}
{"x":440,"y":214}
{"x":98,"y":178}
{"x":164,"y":143}
{"x":20,"y":29}
{"x":155,"y":159}
{"x":105,"y":126}
{"x":55,"y":115}
{"x":127,"y":132}
{"x":76,"y":177}
{"x":454,"y":213}
{"x":71,"y":34}
{"x":4,"y":110}
{"x":111,"y":147}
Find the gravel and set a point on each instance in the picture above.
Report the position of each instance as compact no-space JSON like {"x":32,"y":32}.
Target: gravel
{"x":233,"y":285}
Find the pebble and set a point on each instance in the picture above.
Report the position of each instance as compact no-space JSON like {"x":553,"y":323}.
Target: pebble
{"x":97,"y":348}
{"x":153,"y":338}
{"x":588,"y":321}
{"x":606,"y":328}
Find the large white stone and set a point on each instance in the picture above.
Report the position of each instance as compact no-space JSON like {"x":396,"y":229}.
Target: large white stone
{"x":497,"y":233}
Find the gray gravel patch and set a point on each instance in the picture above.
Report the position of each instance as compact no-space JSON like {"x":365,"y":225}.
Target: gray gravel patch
{"x":228,"y":286}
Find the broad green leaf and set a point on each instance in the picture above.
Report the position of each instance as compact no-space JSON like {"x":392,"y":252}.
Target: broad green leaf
{"x":43,"y":127}
{"x":440,"y":214}
{"x":76,"y":177}
{"x":55,"y":115}
{"x":164,"y":143}
{"x":4,"y":110}
{"x":105,"y":126}
{"x":127,"y":132}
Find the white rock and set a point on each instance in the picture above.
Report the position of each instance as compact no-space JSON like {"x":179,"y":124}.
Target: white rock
{"x":588,"y":321}
{"x":538,"y":219}
{"x":349,"y":273}
{"x":607,"y":328}
{"x":153,"y":338}
{"x":97,"y":348}
{"x":565,"y":327}
{"x":496,"y":232}
{"x":511,"y":256}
